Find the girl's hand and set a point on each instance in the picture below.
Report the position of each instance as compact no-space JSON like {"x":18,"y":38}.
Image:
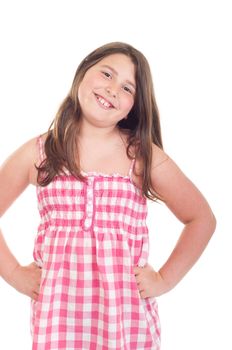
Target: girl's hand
{"x":150,"y":282}
{"x":26,"y":280}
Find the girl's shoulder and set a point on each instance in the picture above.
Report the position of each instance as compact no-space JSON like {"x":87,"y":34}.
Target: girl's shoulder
{"x":37,"y":148}
{"x":27,"y":156}
{"x":158,"y":156}
{"x":175,"y":189}
{"x":43,"y":136}
{"x":17,"y":172}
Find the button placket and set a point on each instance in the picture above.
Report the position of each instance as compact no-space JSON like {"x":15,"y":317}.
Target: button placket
{"x":89,"y":204}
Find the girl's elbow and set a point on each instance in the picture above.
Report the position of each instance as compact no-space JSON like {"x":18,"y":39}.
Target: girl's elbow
{"x":210,"y":222}
{"x":213,"y":222}
{"x":207,"y":222}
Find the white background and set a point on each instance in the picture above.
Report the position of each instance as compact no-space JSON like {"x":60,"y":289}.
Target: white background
{"x":188,"y":45}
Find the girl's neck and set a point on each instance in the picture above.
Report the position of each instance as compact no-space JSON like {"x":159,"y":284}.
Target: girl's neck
{"x":87,"y":132}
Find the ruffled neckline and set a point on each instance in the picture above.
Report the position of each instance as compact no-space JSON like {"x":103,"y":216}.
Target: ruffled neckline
{"x":96,"y":174}
{"x":65,"y":171}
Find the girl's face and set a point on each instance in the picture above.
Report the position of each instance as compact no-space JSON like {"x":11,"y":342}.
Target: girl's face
{"x":107,"y":91}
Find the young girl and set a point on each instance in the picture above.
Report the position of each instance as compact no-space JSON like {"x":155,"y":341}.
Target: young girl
{"x":95,"y":168}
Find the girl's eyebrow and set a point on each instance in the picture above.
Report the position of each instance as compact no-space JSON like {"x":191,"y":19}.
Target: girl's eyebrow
{"x":116,"y":73}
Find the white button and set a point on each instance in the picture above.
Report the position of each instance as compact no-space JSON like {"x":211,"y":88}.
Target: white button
{"x":90,"y":181}
{"x":87,"y":223}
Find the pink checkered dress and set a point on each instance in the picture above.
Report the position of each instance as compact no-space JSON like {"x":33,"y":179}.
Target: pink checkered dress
{"x":90,"y":237}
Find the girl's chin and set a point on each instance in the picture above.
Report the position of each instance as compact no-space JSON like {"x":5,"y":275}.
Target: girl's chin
{"x":99,"y":120}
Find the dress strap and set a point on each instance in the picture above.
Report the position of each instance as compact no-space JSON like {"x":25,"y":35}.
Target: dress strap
{"x":40,"y":145}
{"x":131,"y":168}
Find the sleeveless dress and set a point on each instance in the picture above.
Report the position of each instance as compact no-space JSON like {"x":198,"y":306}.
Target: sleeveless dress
{"x":90,"y":237}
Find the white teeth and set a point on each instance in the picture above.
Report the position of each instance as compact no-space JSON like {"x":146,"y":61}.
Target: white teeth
{"x":103,"y":102}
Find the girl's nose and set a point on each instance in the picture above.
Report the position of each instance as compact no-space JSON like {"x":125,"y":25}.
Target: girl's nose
{"x":112,"y":91}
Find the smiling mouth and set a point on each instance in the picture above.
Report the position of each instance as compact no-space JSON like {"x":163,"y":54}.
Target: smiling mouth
{"x":104,"y":103}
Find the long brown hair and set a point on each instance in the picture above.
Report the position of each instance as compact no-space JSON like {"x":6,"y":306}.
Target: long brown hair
{"x":142,"y":122}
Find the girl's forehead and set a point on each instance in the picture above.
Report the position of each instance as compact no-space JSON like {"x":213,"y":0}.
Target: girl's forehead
{"x":117,"y":58}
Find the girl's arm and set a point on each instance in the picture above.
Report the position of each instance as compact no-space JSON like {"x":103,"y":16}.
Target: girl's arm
{"x":16,"y":173}
{"x":188,"y":204}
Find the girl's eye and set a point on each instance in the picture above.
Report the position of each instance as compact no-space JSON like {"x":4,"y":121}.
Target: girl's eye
{"x":127,"y":89}
{"x":108,"y":75}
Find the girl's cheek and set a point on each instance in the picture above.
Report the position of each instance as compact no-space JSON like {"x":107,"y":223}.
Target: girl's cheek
{"x":129,"y":103}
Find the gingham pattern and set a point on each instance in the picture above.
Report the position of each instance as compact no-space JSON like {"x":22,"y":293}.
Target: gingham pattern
{"x":90,"y":237}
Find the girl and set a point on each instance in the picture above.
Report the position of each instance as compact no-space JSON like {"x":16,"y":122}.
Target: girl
{"x":95,"y":168}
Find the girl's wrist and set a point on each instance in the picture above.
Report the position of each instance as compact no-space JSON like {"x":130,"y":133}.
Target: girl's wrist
{"x":10,"y":278}
{"x":167,"y":284}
